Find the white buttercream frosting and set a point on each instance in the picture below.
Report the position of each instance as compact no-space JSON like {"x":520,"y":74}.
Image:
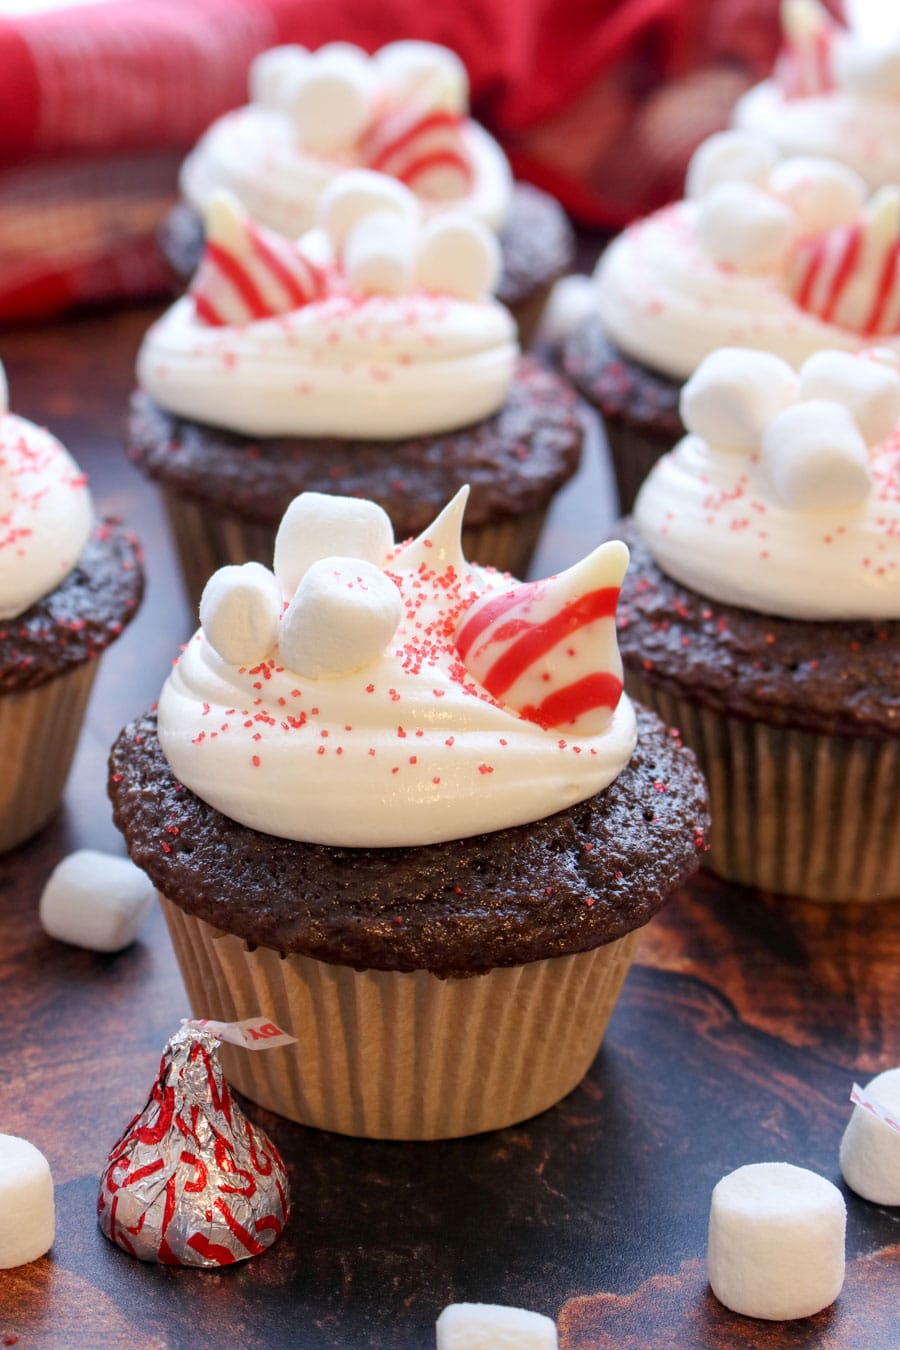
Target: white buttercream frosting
{"x":374,"y":326}
{"x":45,"y":512}
{"x":275,"y":156}
{"x":804,"y":524}
{"x":404,"y":745}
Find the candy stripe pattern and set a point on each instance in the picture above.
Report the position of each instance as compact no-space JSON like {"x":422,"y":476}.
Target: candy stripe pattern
{"x":191,"y":1182}
{"x":548,"y":648}
{"x":804,"y":67}
{"x":248,"y":272}
{"x":850,"y":276}
{"x":424,"y":150}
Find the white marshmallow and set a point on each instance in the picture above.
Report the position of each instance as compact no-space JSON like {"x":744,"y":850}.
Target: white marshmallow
{"x":776,"y":1241}
{"x":318,"y":526}
{"x":870,"y":1150}
{"x":458,"y":255}
{"x":432,"y":76}
{"x":379,"y":253}
{"x":729,"y":157}
{"x":817,"y":457}
{"x":741,"y":226}
{"x":274,"y":73}
{"x":488,"y":1326}
{"x":27,"y":1219}
{"x":360,"y":192}
{"x":239,"y":612}
{"x":4,"y":392}
{"x":331,"y":98}
{"x":95,"y":900}
{"x":868,"y":68}
{"x":343,"y":615}
{"x":733,"y":394}
{"x":571,"y":302}
{"x":822,"y":193}
{"x":869,"y":388}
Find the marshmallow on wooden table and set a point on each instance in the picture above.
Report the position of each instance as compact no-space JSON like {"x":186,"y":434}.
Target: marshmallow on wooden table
{"x":488,"y":1326}
{"x":26,"y":1202}
{"x":95,"y":900}
{"x":817,"y":457}
{"x":733,"y":394}
{"x":344,"y":613}
{"x":729,"y":157}
{"x":776,"y":1241}
{"x":864,"y":384}
{"x":741,"y":226}
{"x":318,"y":526}
{"x":331,"y":98}
{"x":239,"y":612}
{"x":870,"y":1149}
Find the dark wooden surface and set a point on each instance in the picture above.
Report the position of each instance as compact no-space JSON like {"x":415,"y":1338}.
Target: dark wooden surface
{"x":736,"y":1040}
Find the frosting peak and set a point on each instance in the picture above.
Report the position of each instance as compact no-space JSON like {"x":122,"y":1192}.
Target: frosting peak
{"x":45,"y":511}
{"x":437,"y":700}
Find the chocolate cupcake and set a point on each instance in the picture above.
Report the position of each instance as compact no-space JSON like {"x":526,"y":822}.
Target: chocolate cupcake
{"x":368,"y":360}
{"x":404,"y":815}
{"x":761,"y":616}
{"x":68,"y":587}
{"x":785,"y":257}
{"x":404,"y":112}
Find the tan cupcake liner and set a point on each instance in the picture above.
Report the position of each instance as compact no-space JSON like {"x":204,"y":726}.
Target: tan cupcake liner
{"x":39,"y":730}
{"x":388,"y":1055}
{"x":207,"y":540}
{"x":633,"y":452}
{"x":793,"y":812}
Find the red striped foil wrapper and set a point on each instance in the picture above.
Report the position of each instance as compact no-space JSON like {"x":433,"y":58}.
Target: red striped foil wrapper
{"x":191,"y":1181}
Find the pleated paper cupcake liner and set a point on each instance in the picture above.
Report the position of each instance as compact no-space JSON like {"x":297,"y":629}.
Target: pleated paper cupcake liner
{"x":39,"y":731}
{"x":793,"y":812}
{"x":390,"y":1055}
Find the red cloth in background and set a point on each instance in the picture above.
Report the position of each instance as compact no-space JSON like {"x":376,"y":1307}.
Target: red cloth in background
{"x":599,"y":101}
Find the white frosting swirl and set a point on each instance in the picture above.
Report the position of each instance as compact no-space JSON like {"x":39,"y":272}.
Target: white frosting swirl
{"x":45,"y":514}
{"x":665,"y":301}
{"x":374,"y":366}
{"x":408,"y":750}
{"x":806,"y":526}
{"x":252,"y":152}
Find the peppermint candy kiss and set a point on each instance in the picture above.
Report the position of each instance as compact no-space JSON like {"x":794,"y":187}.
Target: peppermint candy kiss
{"x":548,"y":648}
{"x":805,"y":66}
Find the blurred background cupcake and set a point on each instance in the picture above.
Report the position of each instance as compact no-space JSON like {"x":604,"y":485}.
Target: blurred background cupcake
{"x":761,"y":615}
{"x":369,"y":360}
{"x":68,"y":586}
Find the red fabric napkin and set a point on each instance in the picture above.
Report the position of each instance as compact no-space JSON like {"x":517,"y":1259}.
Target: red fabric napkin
{"x":599,"y":101}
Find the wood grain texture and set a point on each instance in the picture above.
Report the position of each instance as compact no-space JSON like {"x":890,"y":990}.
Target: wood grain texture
{"x":737,"y":1037}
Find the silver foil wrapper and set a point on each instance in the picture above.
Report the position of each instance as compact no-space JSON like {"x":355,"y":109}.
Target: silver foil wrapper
{"x":191,"y":1181}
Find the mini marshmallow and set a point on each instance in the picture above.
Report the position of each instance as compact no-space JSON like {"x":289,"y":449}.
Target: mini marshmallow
{"x":729,"y":157}
{"x":741,"y":226}
{"x":458,"y":256}
{"x":331,"y":98}
{"x":817,"y":457}
{"x":27,"y":1219}
{"x":776,"y":1241}
{"x":870,"y":1149}
{"x":733,"y":394}
{"x":571,"y":301}
{"x":239,"y":612}
{"x":432,"y":76}
{"x":378,"y":254}
{"x":488,"y":1326}
{"x":318,"y":526}
{"x":343,"y":615}
{"x":868,"y":68}
{"x":868,"y":387}
{"x":822,"y":193}
{"x":360,"y":192}
{"x":95,"y":900}
{"x":273,"y":74}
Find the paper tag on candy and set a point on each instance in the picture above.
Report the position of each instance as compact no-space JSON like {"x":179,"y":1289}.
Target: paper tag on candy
{"x":860,"y":1098}
{"x":256,"y":1033}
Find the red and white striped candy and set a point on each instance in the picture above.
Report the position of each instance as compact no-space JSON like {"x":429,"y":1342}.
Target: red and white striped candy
{"x":805,"y":64}
{"x":248,"y":272}
{"x":423,"y":148}
{"x":548,"y":648}
{"x":850,"y":276}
